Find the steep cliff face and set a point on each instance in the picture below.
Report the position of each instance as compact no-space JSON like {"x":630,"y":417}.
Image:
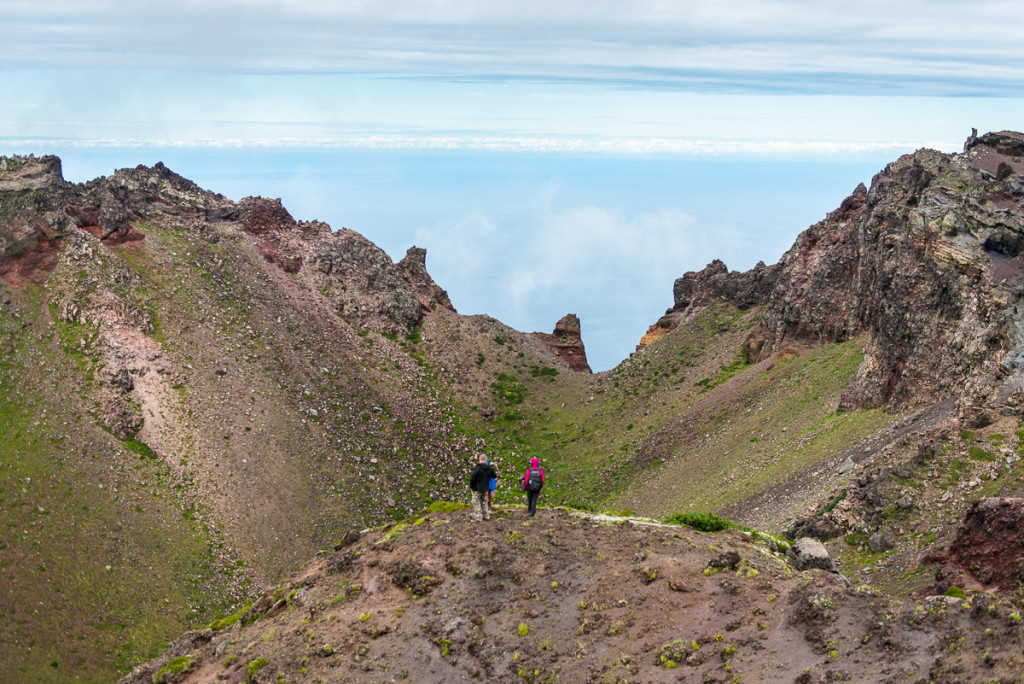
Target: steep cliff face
{"x":929,"y":262}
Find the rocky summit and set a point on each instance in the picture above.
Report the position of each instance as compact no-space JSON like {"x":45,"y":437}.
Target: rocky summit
{"x":220,"y":422}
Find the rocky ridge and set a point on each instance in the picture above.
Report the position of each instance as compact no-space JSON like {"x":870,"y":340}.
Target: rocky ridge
{"x":261,"y":379}
{"x":250,"y":385}
{"x":576,"y":598}
{"x":928,"y":262}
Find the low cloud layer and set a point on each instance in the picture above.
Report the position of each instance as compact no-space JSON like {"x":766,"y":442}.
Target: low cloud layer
{"x":614,"y":269}
{"x":565,"y":145}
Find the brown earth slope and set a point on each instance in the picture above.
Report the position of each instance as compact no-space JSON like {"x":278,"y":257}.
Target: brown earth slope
{"x":567,"y":598}
{"x":210,"y":390}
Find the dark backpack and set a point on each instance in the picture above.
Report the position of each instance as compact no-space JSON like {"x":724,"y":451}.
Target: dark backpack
{"x":535,"y":481}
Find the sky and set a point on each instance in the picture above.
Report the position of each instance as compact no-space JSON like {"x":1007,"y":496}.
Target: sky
{"x":552,"y":157}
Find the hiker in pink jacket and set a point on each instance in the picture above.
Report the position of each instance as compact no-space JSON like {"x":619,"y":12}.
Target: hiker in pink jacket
{"x":533,"y":481}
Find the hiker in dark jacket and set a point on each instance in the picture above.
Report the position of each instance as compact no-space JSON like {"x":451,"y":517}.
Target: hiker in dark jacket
{"x":533,"y":481}
{"x":479,"y":485}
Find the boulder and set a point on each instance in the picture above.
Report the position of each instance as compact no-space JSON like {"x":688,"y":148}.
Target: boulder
{"x":809,"y":553}
{"x":879,"y":543}
{"x":723,"y":561}
{"x":821,"y":528}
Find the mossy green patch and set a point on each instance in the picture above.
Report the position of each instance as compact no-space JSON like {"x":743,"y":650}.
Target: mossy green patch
{"x":705,"y":522}
{"x":225,"y":622}
{"x":445,"y":507}
{"x":979,"y":454}
{"x":255,"y":666}
{"x":175,"y":666}
{"x":508,"y":389}
{"x":396,"y":530}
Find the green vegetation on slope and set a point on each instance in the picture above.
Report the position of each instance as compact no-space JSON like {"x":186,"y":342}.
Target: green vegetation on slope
{"x":689,"y":424}
{"x":97,"y":569}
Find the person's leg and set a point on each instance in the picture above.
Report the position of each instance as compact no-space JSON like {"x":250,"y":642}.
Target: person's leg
{"x":476,"y":503}
{"x":489,"y":506}
{"x":532,"y":502}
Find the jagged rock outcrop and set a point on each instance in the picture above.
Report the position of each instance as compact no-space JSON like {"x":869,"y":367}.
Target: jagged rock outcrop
{"x":566,"y":343}
{"x":715,"y":282}
{"x":367,"y":289}
{"x":159,"y":192}
{"x":275,"y":231}
{"x":32,"y":191}
{"x":745,"y":289}
{"x":413,"y":268}
{"x":928,"y":262}
{"x":21,"y":174}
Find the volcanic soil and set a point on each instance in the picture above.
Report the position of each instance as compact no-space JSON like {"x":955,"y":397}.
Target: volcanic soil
{"x":572,"y":597}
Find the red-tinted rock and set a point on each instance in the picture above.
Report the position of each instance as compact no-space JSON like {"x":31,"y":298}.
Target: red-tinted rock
{"x":989,"y":547}
{"x":28,"y":250}
{"x":566,"y":343}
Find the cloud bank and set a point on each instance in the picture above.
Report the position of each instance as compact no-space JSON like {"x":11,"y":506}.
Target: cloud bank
{"x":922,"y":47}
